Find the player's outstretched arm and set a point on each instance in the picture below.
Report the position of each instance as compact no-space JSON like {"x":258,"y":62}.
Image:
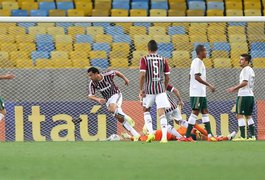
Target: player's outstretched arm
{"x":97,"y":99}
{"x":237,"y":87}
{"x":120,"y":75}
{"x":200,"y":80}
{"x":7,"y":76}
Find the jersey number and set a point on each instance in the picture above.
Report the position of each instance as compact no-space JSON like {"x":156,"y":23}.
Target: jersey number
{"x":155,"y":65}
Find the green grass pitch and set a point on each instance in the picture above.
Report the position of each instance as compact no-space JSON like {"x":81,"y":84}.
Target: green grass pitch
{"x":132,"y":160}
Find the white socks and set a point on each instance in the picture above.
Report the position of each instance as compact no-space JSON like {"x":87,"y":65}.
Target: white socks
{"x":205,"y":118}
{"x":250,"y":121}
{"x":173,"y":131}
{"x":1,"y":116}
{"x":183,"y":123}
{"x":128,"y":127}
{"x":192,"y":119}
{"x":163,"y":122}
{"x":241,"y":122}
{"x":148,"y":122}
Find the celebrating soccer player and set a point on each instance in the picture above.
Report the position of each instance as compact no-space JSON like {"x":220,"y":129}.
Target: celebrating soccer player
{"x":245,"y":99}
{"x":154,"y":78}
{"x":198,"y":99}
{"x":112,"y":97}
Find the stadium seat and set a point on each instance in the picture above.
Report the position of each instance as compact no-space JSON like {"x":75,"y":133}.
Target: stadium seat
{"x":7,"y":38}
{"x":208,"y":63}
{"x":5,"y":12}
{"x":256,"y":38}
{"x":173,"y":12}
{"x":232,"y":12}
{"x":93,"y":31}
{"x":57,"y":12}
{"x":119,"y":12}
{"x":55,"y":31}
{"x":75,"y":13}
{"x":220,"y":54}
{"x":61,"y":38}
{"x":198,"y":38}
{"x":233,"y":5}
{"x":45,"y":46}
{"x":181,"y":59}
{"x":6,"y":5}
{"x":191,"y":12}
{"x":65,"y":5}
{"x":82,"y":47}
{"x":215,"y":5}
{"x":162,"y":38}
{"x":120,"y":46}
{"x":165,"y":47}
{"x":252,"y":5}
{"x":98,"y":55}
{"x":101,"y":47}
{"x":137,"y":30}
{"x":232,"y":30}
{"x":222,"y":63}
{"x":196,"y":5}
{"x":103,"y":38}
{"x":24,"y":63}
{"x":217,"y":38}
{"x":101,"y":63}
{"x":213,"y":12}
{"x":118,"y":54}
{"x":237,"y":38}
{"x":80,"y":63}
{"x":180,"y":38}
{"x":158,"y":12}
{"x":18,"y":55}
{"x":62,"y":63}
{"x":3,"y":30}
{"x":27,"y":47}
{"x":142,"y":24}
{"x":120,"y":5}
{"x":84,"y":6}
{"x":75,"y":30}
{"x":44,"y":63}
{"x":29,"y":6}
{"x":138,"y":12}
{"x":259,"y":62}
{"x":114,"y":30}
{"x":82,"y":38}
{"x":100,"y":12}
{"x":221,"y":46}
{"x":122,"y":38}
{"x":140,"y":5}
{"x":40,"y":38}
{"x":62,"y":46}
{"x":102,"y":24}
{"x":252,"y":12}
{"x":8,"y":47}
{"x":102,"y":5}
{"x":180,"y":6}
{"x":18,"y":12}
{"x":257,"y":53}
{"x":119,"y":62}
{"x":16,"y":30}
{"x":38,"y":13}
{"x":47,"y":6}
{"x":164,"y":53}
{"x":176,"y":30}
{"x":59,"y":54}
{"x":142,"y":39}
{"x":40,"y":55}
{"x":159,"y":5}
{"x":157,"y":30}
{"x":257,"y":46}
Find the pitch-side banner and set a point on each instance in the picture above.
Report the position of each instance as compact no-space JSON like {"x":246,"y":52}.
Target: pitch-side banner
{"x":52,"y":121}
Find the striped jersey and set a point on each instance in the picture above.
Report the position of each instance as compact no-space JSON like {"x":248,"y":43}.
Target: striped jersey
{"x":106,"y":86}
{"x":173,"y":103}
{"x":155,"y":67}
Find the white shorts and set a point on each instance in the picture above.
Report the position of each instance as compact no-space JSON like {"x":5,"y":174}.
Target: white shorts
{"x":115,"y":99}
{"x":160,"y":100}
{"x":174,"y":115}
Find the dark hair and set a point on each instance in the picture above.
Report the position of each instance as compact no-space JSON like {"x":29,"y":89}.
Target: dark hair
{"x":247,"y":57}
{"x":152,"y":45}
{"x":199,"y":48}
{"x":93,"y":70}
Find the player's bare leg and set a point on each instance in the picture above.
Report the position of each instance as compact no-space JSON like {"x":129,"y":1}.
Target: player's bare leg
{"x":124,"y":119}
{"x":163,"y":122}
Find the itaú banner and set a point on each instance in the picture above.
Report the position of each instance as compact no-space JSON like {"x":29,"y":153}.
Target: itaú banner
{"x":52,"y":121}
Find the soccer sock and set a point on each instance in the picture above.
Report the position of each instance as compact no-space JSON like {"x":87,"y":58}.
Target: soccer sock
{"x":163,"y":122}
{"x":148,"y":122}
{"x":206,"y":122}
{"x":173,"y":131}
{"x":242,"y":125}
{"x":191,"y":122}
{"x":128,"y":127}
{"x":251,"y":126}
{"x":183,"y":123}
{"x":1,"y":116}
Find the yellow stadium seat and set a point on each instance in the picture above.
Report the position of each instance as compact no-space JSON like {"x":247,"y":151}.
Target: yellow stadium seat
{"x":216,"y":30}
{"x":139,"y":54}
{"x":7,"y":24}
{"x":79,"y":55}
{"x":162,"y":38}
{"x":126,"y":26}
{"x":29,"y":6}
{"x":237,"y":38}
{"x":208,"y":63}
{"x":57,"y":12}
{"x":3,"y":30}
{"x":142,"y":39}
{"x":93,"y":31}
{"x":195,"y":12}
{"x":176,"y":1}
{"x":198,"y":38}
{"x":157,"y":30}
{"x":102,"y":5}
{"x":14,"y":56}
{"x":9,"y":5}
{"x":234,"y":5}
{"x":75,"y":30}
{"x":124,"y":47}
{"x":24,"y":63}
{"x":20,"y":2}
{"x":62,"y":63}
{"x":236,"y":30}
{"x":62,"y":46}
{"x":8,"y":47}
{"x":217,"y":38}
{"x":80,"y":63}
{"x":239,"y":46}
{"x":81,"y":1}
{"x":82,"y":47}
{"x":214,"y":0}
{"x":220,"y":24}
{"x":180,"y":6}
{"x":103,"y":38}
{"x":119,"y":12}
{"x":119,"y":62}
{"x":27,"y":47}
{"x":119,"y":54}
{"x":84,"y":6}
{"x":34,"y":30}
{"x":173,"y":12}
{"x":98,"y":55}
{"x":69,"y":0}
{"x":140,"y":46}
{"x":180,"y":59}
{"x":186,"y":25}
{"x":197,"y":31}
{"x":252,"y":12}
{"x":4,"y":60}
{"x":259,"y":62}
{"x":7,"y":38}
{"x":165,"y":25}
{"x":100,"y":12}
{"x":215,"y":12}
{"x":44,"y":63}
{"x":256,"y":38}
{"x":5,"y":12}
{"x":138,"y":12}
{"x":63,"y":38}
{"x":186,"y":46}
{"x":222,"y":63}
{"x":47,"y":25}
{"x":45,"y":0}
{"x":137,"y":30}
{"x":75,"y":13}
{"x":232,"y":12}
{"x":252,"y":5}
{"x":199,"y":26}
{"x":220,"y":54}
{"x":180,"y":38}
{"x":158,"y":12}
{"x":255,"y":24}
{"x":24,"y":38}
{"x":16,"y":30}
{"x":59,"y":54}
{"x":55,"y":30}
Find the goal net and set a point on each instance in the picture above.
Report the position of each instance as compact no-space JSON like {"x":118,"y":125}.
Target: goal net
{"x":50,"y":57}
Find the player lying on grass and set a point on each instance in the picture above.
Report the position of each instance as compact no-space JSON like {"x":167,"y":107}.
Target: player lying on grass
{"x":112,"y":97}
{"x":245,"y":98}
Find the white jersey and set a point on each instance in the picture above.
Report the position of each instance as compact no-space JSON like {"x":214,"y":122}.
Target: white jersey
{"x":197,"y":89}
{"x":247,"y":74}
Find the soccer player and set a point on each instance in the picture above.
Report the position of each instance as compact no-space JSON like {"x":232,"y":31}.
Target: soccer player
{"x":154,"y":78}
{"x":112,"y":97}
{"x":245,"y":98}
{"x":7,"y":76}
{"x":198,"y":99}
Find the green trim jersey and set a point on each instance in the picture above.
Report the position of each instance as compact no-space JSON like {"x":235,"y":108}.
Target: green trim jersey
{"x":247,"y":74}
{"x":197,"y":89}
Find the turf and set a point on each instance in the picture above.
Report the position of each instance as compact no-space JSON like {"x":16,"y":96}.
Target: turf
{"x":128,"y":160}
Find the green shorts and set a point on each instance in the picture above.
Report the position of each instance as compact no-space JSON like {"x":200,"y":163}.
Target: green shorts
{"x":198,"y":103}
{"x":245,"y":105}
{"x":2,"y":104}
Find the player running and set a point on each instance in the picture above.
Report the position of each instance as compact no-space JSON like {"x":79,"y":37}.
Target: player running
{"x":245,"y":98}
{"x":112,"y":97}
{"x":198,"y":99}
{"x":7,"y":76}
{"x":154,"y":77}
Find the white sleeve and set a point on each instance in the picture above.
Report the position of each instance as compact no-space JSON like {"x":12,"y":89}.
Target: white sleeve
{"x":197,"y":66}
{"x":245,"y":74}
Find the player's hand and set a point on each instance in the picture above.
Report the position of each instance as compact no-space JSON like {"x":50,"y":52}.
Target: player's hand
{"x":141,"y":95}
{"x":231,"y":90}
{"x":126,"y":81}
{"x":9,"y":76}
{"x":101,"y":101}
{"x":181,"y":104}
{"x":212,"y":88}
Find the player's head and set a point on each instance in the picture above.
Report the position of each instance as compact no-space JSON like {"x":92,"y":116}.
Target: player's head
{"x":152,"y":46}
{"x":93,"y":73}
{"x":201,"y":51}
{"x":245,"y":59}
